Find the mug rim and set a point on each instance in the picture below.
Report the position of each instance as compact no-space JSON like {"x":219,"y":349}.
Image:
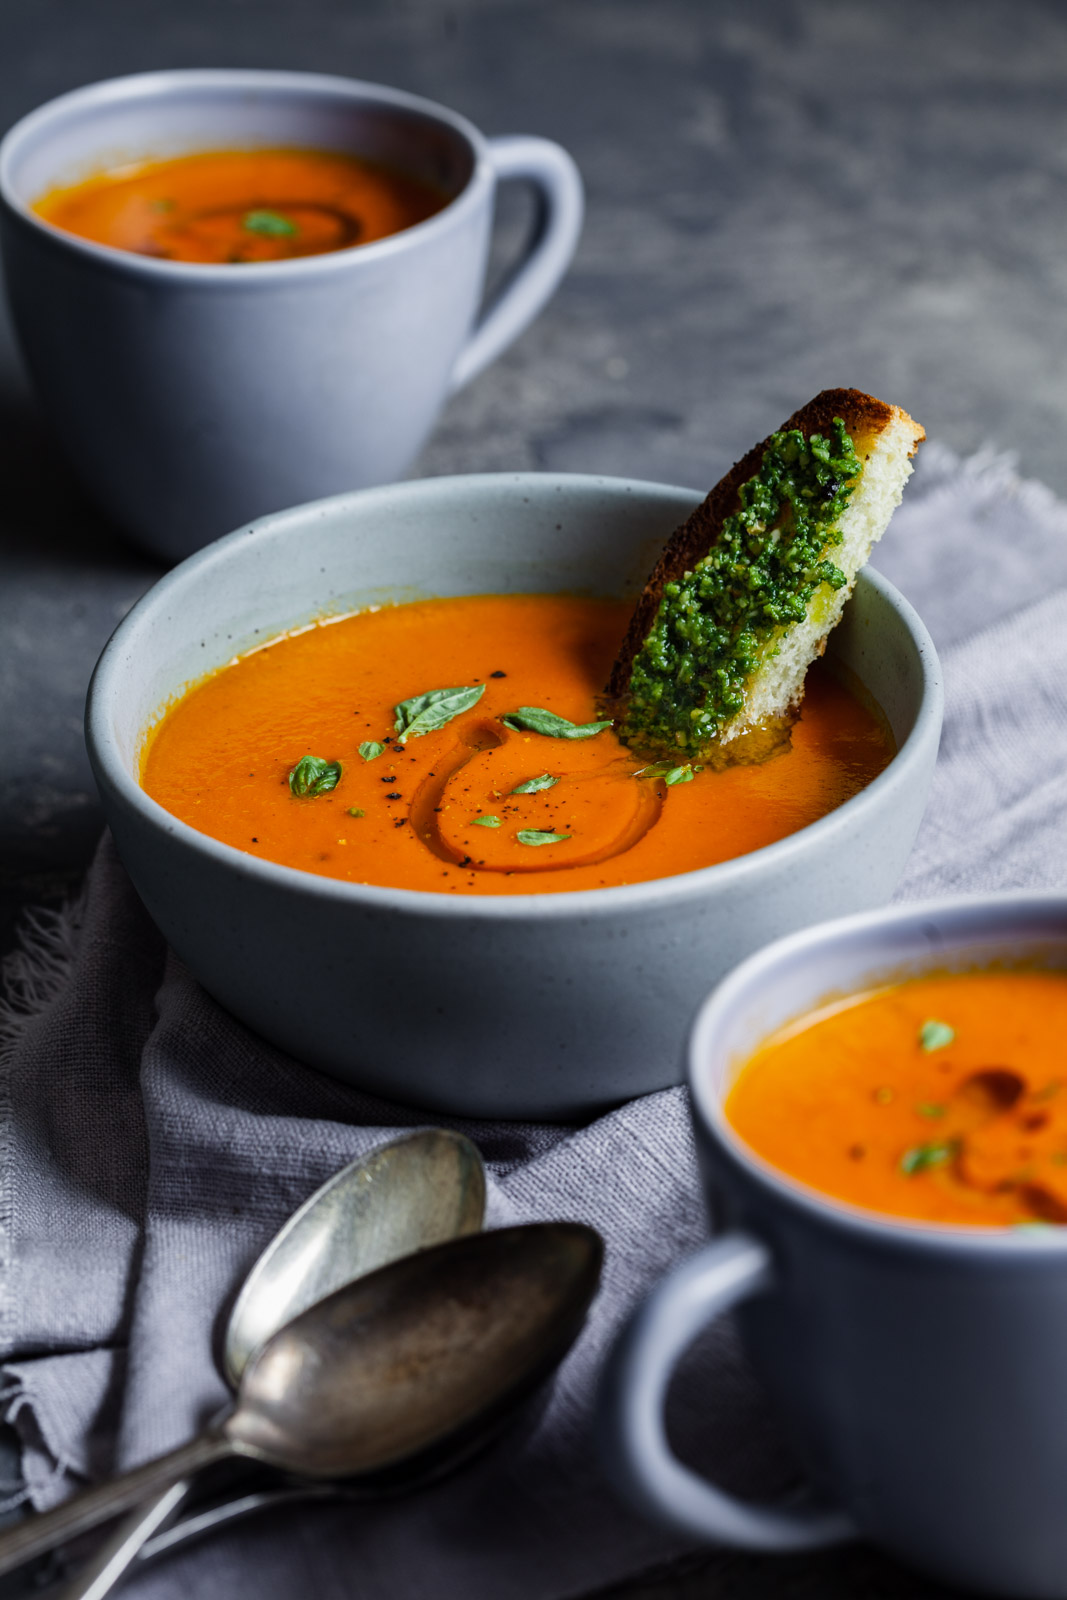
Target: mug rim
{"x":648,"y":895}
{"x":978,"y":914}
{"x":158,"y":86}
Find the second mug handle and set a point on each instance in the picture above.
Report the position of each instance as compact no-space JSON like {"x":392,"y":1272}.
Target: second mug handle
{"x":633,"y":1390}
{"x":558,"y":183}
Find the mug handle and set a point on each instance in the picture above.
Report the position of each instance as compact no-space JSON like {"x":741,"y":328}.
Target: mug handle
{"x":633,"y":1439}
{"x":558,"y":183}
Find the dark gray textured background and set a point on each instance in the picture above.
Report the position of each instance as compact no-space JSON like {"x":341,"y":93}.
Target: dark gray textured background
{"x":783,"y":195}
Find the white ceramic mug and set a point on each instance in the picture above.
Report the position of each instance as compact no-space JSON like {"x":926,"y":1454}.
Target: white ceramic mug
{"x":191,"y":398}
{"x":920,"y":1369}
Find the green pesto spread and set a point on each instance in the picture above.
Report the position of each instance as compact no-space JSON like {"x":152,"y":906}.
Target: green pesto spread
{"x":716,"y":624}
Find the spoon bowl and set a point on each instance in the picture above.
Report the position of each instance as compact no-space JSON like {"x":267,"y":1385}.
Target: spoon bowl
{"x":414,"y":1192}
{"x":453,"y":1339}
{"x":470,"y":1328}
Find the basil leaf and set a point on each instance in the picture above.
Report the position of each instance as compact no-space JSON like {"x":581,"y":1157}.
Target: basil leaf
{"x":486,"y":822}
{"x":536,"y":836}
{"x":269,"y":223}
{"x":921,"y":1156}
{"x":535,"y":785}
{"x":370,"y":749}
{"x":355,"y":811}
{"x":424,"y":713}
{"x":669,"y":773}
{"x":534,"y":719}
{"x":934,"y":1035}
{"x":312,"y":776}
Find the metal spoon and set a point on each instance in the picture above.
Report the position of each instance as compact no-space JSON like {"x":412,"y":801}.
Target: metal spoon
{"x":415,"y":1363}
{"x":416,"y":1191}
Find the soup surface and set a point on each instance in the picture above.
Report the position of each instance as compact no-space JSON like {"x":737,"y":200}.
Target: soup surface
{"x":943,"y":1099}
{"x":242,"y":206}
{"x":508,"y":780}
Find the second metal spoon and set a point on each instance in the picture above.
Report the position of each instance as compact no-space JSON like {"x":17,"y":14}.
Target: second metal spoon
{"x":417,"y":1363}
{"x":414,"y":1192}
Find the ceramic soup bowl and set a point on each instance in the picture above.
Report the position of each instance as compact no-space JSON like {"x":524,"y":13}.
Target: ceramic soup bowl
{"x":921,"y":1370}
{"x":548,"y":1005}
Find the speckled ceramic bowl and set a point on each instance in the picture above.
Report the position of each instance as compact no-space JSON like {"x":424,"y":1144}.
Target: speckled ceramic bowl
{"x":544,"y":1006}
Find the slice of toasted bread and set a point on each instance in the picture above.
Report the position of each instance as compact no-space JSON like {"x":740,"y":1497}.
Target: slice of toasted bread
{"x":721,"y":547}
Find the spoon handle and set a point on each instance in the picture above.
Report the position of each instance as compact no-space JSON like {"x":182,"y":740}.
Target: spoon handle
{"x":198,"y":1524}
{"x":104,"y":1570}
{"x":92,"y":1506}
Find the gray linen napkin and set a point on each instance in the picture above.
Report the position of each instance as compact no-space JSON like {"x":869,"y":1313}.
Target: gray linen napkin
{"x":150,"y":1146}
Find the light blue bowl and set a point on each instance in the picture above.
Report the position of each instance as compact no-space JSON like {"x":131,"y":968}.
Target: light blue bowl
{"x":549,"y":1006}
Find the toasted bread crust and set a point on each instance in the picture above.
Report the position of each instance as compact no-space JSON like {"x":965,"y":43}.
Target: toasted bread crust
{"x":863,"y":416}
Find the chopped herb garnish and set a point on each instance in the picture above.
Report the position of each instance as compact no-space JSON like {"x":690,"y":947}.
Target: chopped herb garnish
{"x":355,"y":811}
{"x":935,"y":1035}
{"x":922,"y":1156}
{"x":536,"y":836}
{"x":486,"y":822}
{"x":424,"y":713}
{"x":535,"y":719}
{"x":312,"y":776}
{"x":370,"y":749}
{"x":535,"y":785}
{"x":668,"y":772}
{"x":269,"y":223}
{"x":930,"y":1108}
{"x":717,"y":623}
{"x":884,"y":1096}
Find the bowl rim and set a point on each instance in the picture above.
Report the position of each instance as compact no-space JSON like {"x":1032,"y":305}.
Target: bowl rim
{"x":986,"y":917}
{"x":169,"y":83}
{"x":649,"y":895}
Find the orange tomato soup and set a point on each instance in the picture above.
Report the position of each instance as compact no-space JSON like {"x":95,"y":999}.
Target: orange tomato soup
{"x":943,"y":1099}
{"x":492,"y":799}
{"x":241,"y":206}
